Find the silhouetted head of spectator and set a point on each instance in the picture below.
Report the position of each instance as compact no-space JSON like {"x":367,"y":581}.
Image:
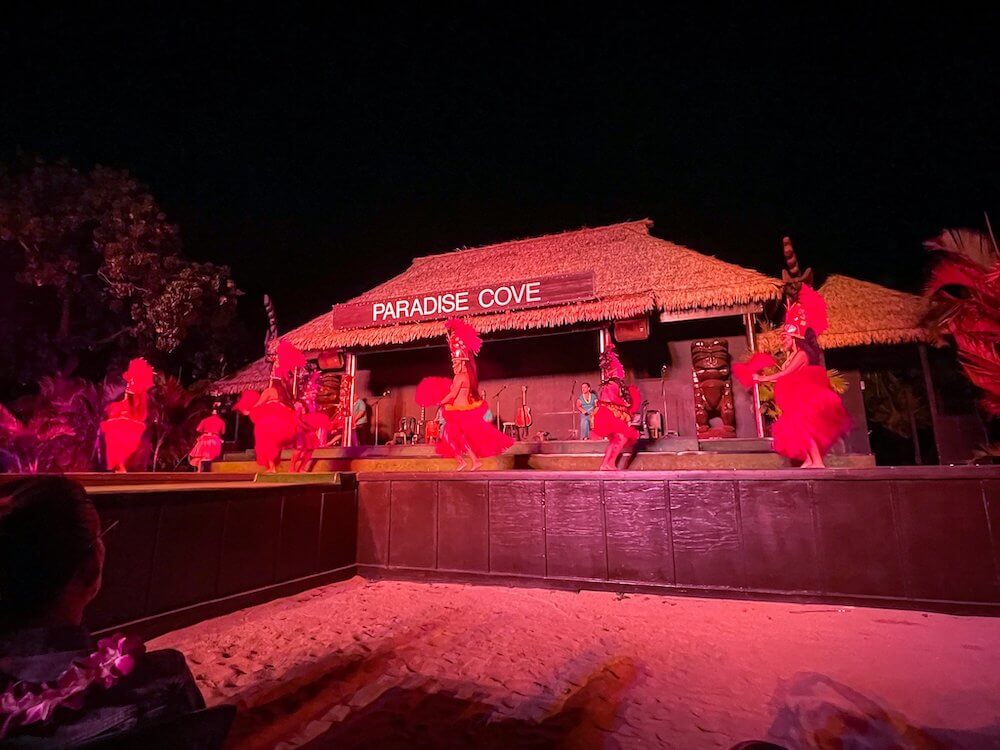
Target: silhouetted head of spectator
{"x":51,"y":553}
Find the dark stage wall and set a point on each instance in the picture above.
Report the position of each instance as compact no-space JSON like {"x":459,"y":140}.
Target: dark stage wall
{"x":182,"y":553}
{"x":924,"y":538}
{"x":916,"y":538}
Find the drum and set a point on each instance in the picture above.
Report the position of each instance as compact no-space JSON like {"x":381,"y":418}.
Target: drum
{"x":654,"y":423}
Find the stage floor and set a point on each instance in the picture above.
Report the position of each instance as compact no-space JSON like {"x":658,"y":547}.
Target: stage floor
{"x":666,"y":454}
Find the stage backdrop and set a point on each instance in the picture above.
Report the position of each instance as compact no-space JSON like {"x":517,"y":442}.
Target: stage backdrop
{"x":552,"y":367}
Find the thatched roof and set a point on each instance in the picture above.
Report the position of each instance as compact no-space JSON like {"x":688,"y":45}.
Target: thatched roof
{"x":254,"y":376}
{"x":634,"y":273}
{"x":863,"y":313}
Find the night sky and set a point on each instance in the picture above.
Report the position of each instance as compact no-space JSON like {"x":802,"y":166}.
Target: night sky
{"x":317,"y":154}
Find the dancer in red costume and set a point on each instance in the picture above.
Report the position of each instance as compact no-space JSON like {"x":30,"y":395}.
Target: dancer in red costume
{"x":314,"y":426}
{"x":272,"y":413}
{"x":126,"y":422}
{"x":617,"y":404}
{"x":208,"y":447}
{"x":813,"y":417}
{"x":466,"y":432}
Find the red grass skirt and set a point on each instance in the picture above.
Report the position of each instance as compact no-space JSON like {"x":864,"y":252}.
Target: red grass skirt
{"x":613,"y":417}
{"x":810,"y":408}
{"x":466,"y":427}
{"x":314,"y":421}
{"x":274,"y":427}
{"x":122,"y":438}
{"x":608,"y":423}
{"x":207,"y":447}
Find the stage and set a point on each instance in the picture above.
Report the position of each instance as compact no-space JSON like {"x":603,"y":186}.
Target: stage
{"x":666,"y":454}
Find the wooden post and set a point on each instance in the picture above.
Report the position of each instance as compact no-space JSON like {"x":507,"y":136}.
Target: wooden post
{"x":351,"y":364}
{"x":749,"y":321}
{"x":931,"y":396}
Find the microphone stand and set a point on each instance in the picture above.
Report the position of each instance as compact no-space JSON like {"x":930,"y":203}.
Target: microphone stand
{"x":375,"y":425}
{"x":663,"y":398}
{"x":573,"y":415}
{"x":497,"y":415}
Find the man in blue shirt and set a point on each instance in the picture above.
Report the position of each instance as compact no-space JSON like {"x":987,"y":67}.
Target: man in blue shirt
{"x":586,"y":403}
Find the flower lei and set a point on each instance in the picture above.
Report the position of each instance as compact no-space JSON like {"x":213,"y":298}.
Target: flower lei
{"x":27,"y":703}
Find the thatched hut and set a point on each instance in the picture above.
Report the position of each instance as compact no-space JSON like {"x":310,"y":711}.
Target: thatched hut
{"x":657,"y":296}
{"x":863,"y":314}
{"x":252,"y":377}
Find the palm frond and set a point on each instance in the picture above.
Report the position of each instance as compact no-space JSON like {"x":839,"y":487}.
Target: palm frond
{"x":954,"y":271}
{"x":981,"y":363}
{"x":8,"y":420}
{"x":991,"y":404}
{"x":837,"y":381}
{"x":970,"y":244}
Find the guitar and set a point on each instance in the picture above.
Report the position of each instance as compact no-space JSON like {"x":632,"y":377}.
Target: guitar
{"x":523,"y":419}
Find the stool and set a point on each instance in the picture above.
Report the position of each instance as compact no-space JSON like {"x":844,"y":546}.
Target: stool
{"x":511,"y":430}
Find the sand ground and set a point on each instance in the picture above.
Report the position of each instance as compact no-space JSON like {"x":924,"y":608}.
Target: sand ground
{"x":393,"y":664}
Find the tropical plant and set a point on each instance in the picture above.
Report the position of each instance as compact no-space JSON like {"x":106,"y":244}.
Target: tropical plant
{"x":964,"y":285}
{"x":895,"y":403}
{"x":32,"y":444}
{"x":56,"y":429}
{"x":174,"y":414}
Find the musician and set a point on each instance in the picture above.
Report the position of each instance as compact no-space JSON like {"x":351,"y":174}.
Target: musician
{"x":362,"y":432}
{"x":586,"y":403}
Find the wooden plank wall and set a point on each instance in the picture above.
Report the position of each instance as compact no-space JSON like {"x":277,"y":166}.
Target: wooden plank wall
{"x":924,"y":538}
{"x":177,"y":556}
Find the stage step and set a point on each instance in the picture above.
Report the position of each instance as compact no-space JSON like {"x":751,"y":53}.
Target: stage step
{"x":648,"y":461}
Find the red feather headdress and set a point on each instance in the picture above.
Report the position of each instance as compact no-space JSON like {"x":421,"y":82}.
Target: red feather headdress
{"x":808,"y":312}
{"x":611,"y":366}
{"x":139,"y":376}
{"x":463,"y":341}
{"x":287,"y":359}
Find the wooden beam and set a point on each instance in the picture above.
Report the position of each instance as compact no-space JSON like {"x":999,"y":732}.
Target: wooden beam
{"x":750,"y":322}
{"x":351,"y":362}
{"x":925,"y":365}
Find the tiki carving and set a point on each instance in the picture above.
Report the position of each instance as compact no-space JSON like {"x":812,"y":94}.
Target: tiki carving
{"x":713,"y":388}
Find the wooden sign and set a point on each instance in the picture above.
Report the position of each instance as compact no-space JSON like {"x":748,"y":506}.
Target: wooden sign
{"x":499,"y":297}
